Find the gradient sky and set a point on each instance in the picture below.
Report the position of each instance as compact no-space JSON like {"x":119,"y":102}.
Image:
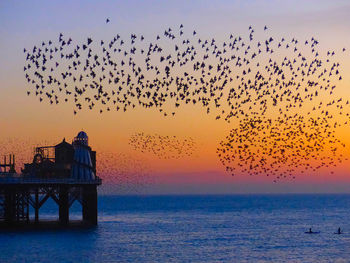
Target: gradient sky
{"x":25,"y":122}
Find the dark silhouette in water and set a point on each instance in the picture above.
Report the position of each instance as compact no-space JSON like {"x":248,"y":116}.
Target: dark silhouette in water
{"x":311,"y":232}
{"x":338,"y":232}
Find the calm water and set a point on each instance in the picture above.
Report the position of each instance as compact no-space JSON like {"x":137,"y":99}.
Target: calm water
{"x":239,"y":228}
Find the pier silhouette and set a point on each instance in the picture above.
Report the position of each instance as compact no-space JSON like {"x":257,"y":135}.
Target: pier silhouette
{"x":66,"y":173}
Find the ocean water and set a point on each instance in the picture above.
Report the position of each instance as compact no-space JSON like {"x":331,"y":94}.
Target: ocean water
{"x":236,"y":228}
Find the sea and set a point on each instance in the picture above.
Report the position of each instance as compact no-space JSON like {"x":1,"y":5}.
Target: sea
{"x":193,"y":228}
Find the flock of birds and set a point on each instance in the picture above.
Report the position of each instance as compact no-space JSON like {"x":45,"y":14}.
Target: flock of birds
{"x":164,"y":147}
{"x":126,"y":171}
{"x":280,"y":148}
{"x":263,"y":83}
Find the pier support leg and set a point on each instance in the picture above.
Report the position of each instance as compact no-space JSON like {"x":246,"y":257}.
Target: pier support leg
{"x":63,"y":205}
{"x":27,"y":211}
{"x":10,"y":206}
{"x":36,"y":208}
{"x":90,"y":204}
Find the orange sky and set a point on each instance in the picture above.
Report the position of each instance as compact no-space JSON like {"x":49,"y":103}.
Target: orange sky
{"x":24,"y":119}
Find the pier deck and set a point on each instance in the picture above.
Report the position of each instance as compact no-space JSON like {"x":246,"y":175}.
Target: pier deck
{"x":18,"y":194}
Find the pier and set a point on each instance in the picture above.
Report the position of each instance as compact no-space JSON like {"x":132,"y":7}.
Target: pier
{"x":66,"y":173}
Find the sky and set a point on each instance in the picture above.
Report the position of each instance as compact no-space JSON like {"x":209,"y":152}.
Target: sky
{"x":25,"y":122}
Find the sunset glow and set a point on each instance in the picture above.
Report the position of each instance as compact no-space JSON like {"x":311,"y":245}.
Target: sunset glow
{"x":27,"y":122}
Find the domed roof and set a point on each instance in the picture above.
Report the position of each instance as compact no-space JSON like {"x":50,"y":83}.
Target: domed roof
{"x":81,"y":139}
{"x":82,"y":135}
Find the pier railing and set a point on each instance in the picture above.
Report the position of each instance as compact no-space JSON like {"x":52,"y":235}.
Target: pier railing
{"x":32,"y":180}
